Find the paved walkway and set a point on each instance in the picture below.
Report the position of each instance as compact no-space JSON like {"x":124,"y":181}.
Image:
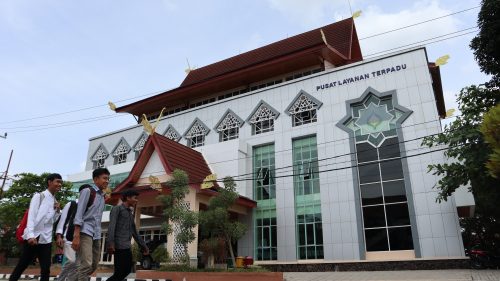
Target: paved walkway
{"x":415,"y":275}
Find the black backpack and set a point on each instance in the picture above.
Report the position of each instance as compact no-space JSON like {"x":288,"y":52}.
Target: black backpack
{"x":72,"y":212}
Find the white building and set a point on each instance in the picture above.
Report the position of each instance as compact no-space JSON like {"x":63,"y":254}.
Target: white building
{"x":325,"y":144}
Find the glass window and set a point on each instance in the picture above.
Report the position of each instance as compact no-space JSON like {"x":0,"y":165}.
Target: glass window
{"x":389,"y":149}
{"x":366,"y":152}
{"x":376,"y":239}
{"x":263,"y":120}
{"x":391,"y":170}
{"x":266,"y":235}
{"x":397,"y":214}
{"x":371,"y":194}
{"x":229,"y":127}
{"x":369,"y":173}
{"x":394,"y":191}
{"x":374,"y":216}
{"x":401,"y":238}
{"x":196,"y":134}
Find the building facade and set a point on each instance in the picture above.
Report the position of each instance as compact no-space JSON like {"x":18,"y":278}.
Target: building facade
{"x":327,"y":145}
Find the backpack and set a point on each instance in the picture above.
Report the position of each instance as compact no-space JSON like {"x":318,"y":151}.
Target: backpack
{"x":69,"y":222}
{"x":24,"y":221}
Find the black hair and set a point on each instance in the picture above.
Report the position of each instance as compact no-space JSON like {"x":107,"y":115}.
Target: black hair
{"x":84,"y":186}
{"x":100,"y":171}
{"x":129,"y":193}
{"x":52,"y":177}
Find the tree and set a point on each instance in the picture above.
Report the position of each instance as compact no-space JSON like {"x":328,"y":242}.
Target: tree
{"x":485,"y":44}
{"x":17,"y":199}
{"x":491,"y":132}
{"x":216,"y":221}
{"x":176,"y":212}
{"x":469,"y":151}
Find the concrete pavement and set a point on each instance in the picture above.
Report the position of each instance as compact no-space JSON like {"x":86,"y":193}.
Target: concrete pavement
{"x":414,"y":275}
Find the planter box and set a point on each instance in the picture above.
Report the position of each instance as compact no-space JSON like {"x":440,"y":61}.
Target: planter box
{"x":210,"y":276}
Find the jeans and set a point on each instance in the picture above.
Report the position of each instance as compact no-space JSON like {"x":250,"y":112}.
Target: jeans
{"x":42,"y":251}
{"x":123,"y":264}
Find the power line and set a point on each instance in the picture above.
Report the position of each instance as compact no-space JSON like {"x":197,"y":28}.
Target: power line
{"x":418,"y":23}
{"x":159,"y":92}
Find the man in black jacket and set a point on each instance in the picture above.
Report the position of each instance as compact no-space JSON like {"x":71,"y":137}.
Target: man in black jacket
{"x":120,"y":232}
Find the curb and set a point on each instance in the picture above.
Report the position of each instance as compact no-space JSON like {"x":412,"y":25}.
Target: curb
{"x":54,"y":278}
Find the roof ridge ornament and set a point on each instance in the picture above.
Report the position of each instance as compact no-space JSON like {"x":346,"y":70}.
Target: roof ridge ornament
{"x":150,"y":129}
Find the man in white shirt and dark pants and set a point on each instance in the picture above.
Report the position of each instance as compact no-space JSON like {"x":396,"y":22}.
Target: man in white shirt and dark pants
{"x":43,"y":212}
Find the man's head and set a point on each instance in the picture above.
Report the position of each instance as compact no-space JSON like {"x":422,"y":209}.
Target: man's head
{"x":101,"y":177}
{"x":129,"y":197}
{"x":54,"y":183}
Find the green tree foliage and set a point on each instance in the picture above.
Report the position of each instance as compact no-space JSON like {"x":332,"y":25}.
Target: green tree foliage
{"x":16,"y":200}
{"x":491,"y":131}
{"x":468,"y":151}
{"x":176,"y":213}
{"x":216,"y":221}
{"x":486,"y":43}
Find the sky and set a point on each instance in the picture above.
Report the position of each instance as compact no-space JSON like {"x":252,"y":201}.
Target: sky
{"x":62,"y":61}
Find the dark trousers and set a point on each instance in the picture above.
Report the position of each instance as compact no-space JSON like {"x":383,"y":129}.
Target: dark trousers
{"x":123,"y":264}
{"x":42,"y":252}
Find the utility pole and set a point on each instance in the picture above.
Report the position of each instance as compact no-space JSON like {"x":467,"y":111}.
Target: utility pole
{"x":6,"y":173}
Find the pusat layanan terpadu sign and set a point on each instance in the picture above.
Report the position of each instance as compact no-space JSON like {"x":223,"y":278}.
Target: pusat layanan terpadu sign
{"x":361,"y":77}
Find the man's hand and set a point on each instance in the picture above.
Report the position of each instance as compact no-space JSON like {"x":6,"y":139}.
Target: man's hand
{"x":111,"y":250}
{"x":32,"y":241}
{"x":57,"y":206}
{"x":60,"y":241}
{"x":75,"y":245}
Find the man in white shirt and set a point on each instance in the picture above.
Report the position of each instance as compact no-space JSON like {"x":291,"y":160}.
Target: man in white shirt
{"x":69,"y":269}
{"x":43,"y":212}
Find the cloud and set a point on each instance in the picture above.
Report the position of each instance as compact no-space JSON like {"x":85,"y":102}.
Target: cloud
{"x":374,"y":21}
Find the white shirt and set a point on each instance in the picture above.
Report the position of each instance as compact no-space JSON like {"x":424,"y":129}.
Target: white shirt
{"x":60,"y":225}
{"x":41,"y":218}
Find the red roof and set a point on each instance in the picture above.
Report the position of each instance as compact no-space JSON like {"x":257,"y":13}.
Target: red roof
{"x":338,"y":35}
{"x":288,"y":55}
{"x":173,"y":155}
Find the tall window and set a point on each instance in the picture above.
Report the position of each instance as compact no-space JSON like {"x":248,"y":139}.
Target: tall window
{"x":99,"y":157}
{"x":303,"y":110}
{"x":121,"y":151}
{"x":229,"y":127}
{"x":309,"y":223}
{"x":386,"y":218}
{"x":265,"y":195}
{"x":196,"y":134}
{"x":262,"y":119}
{"x":139,"y":144}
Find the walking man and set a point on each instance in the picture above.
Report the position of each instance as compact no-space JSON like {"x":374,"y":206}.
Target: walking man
{"x":43,"y":212}
{"x":69,"y":269}
{"x":87,"y":233}
{"x":120,"y":232}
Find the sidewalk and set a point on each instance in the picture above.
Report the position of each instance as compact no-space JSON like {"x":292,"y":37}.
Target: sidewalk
{"x":414,"y":275}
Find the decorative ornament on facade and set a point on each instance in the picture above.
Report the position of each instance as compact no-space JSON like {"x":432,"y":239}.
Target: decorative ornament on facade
{"x":228,"y":127}
{"x":171,"y":133}
{"x":150,"y":129}
{"x":303,"y":109}
{"x":262,"y":118}
{"x":155,"y":183}
{"x":99,"y":156}
{"x":178,"y":249}
{"x":122,"y":148}
{"x":375,"y":117}
{"x":196,"y":133}
{"x":139,"y":145}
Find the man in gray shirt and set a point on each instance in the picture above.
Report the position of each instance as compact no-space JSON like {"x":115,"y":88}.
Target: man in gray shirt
{"x":120,"y":232}
{"x":87,"y":234}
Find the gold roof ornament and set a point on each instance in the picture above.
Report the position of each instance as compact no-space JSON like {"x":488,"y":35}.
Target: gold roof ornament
{"x":209,"y":181}
{"x":150,"y":129}
{"x":112,"y":106}
{"x":155,"y":182}
{"x":450,"y":112}
{"x":442,"y":60}
{"x":356,"y":14}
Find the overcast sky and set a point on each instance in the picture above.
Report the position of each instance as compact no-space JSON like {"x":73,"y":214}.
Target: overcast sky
{"x":60,"y":56}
